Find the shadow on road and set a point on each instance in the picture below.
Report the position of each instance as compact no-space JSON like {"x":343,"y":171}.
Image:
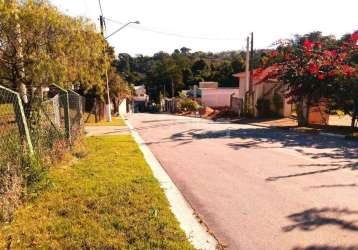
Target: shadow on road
{"x":314,"y":218}
{"x":326,"y":247}
{"x":349,"y":166}
{"x":336,"y":186}
{"x":336,"y":148}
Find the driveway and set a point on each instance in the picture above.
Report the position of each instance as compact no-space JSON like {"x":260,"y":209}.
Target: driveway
{"x":260,"y":188}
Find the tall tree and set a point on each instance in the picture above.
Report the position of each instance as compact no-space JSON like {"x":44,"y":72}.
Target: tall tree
{"x":315,"y":67}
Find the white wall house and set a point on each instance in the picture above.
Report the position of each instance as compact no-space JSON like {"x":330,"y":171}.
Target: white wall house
{"x":213,"y":96}
{"x":140,"y":90}
{"x":265,"y":85}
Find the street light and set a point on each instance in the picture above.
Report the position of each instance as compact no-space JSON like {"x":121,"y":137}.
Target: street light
{"x":107,"y":81}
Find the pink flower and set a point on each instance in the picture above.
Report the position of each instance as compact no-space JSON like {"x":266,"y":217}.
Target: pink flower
{"x":354,"y":37}
{"x":274,"y":53}
{"x":320,"y":76}
{"x":308,"y":45}
{"x":347,"y":70}
{"x":330,"y":53}
{"x":313,"y":69}
{"x":332,"y":73}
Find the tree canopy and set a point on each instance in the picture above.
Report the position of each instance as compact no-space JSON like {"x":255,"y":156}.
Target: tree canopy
{"x":39,"y":45}
{"x":316,"y":67}
{"x":169,"y":73}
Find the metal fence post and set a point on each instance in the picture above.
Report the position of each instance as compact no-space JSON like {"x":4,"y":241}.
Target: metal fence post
{"x":76,"y":104}
{"x":23,"y":121}
{"x":67,"y":117}
{"x":66,"y":110}
{"x":20,"y":117}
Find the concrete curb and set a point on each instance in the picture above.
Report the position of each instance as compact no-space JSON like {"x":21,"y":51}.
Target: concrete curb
{"x":197,"y":233}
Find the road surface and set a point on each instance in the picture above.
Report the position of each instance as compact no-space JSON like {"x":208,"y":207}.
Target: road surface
{"x":260,"y":188}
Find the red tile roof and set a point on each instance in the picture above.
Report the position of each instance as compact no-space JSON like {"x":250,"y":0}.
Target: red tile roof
{"x":260,"y":74}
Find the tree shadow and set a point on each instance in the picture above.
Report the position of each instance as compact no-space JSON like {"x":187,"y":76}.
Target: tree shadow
{"x":314,"y":218}
{"x":335,"y":186}
{"x":245,"y":145}
{"x":338,"y":148}
{"x":349,"y":166}
{"x":326,"y":247}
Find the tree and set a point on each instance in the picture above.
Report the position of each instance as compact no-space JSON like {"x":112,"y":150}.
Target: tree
{"x":118,"y":88}
{"x":39,"y":46}
{"x":315,"y":67}
{"x":345,"y":95}
{"x":186,"y":68}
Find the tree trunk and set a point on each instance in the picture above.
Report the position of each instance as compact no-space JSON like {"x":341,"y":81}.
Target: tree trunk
{"x":115,"y":105}
{"x":302,"y":113}
{"x":173,"y":90}
{"x":354,"y":115}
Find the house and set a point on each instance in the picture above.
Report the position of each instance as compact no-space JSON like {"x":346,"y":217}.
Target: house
{"x":266,"y":86}
{"x":214,"y":96}
{"x":140,"y":98}
{"x":140,"y":90}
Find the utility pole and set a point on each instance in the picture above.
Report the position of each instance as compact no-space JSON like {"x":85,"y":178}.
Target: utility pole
{"x":109,"y":115}
{"x":251,"y":78}
{"x":251,"y":59}
{"x":247,"y":76}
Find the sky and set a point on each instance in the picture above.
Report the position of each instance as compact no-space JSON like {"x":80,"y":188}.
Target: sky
{"x":212,"y":25}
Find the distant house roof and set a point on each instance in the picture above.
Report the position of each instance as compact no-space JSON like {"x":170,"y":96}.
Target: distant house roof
{"x":261,"y":74}
{"x":139,"y":87}
{"x":205,"y":85}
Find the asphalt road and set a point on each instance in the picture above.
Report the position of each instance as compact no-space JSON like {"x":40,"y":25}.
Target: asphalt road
{"x":259,"y":188}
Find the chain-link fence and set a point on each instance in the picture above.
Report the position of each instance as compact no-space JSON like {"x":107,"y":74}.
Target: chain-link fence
{"x":14,"y":134}
{"x":76,"y":109}
{"x":44,"y":127}
{"x":14,"y":143}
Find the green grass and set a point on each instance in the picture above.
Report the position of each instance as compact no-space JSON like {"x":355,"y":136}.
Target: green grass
{"x":116,"y":121}
{"x":108,"y":199}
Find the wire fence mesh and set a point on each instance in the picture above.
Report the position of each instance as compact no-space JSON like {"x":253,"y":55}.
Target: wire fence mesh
{"x":46,"y":125}
{"x":13,"y":146}
{"x":75,"y":102}
{"x":47,"y":128}
{"x":10,"y":130}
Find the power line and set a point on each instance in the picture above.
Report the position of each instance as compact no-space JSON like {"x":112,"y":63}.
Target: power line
{"x":100,"y":7}
{"x":186,"y":36}
{"x":102,"y":19}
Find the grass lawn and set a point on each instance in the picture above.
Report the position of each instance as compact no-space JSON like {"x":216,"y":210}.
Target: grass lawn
{"x":116,"y":121}
{"x":107,"y":199}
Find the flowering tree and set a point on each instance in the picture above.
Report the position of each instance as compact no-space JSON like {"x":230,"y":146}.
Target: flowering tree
{"x":315,"y":67}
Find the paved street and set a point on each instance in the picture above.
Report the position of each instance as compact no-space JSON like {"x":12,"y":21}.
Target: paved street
{"x":259,"y":188}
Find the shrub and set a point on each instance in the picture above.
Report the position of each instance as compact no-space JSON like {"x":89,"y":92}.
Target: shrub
{"x":186,"y":104}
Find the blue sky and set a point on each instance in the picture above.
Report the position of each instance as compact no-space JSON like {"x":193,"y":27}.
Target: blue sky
{"x":212,"y":25}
